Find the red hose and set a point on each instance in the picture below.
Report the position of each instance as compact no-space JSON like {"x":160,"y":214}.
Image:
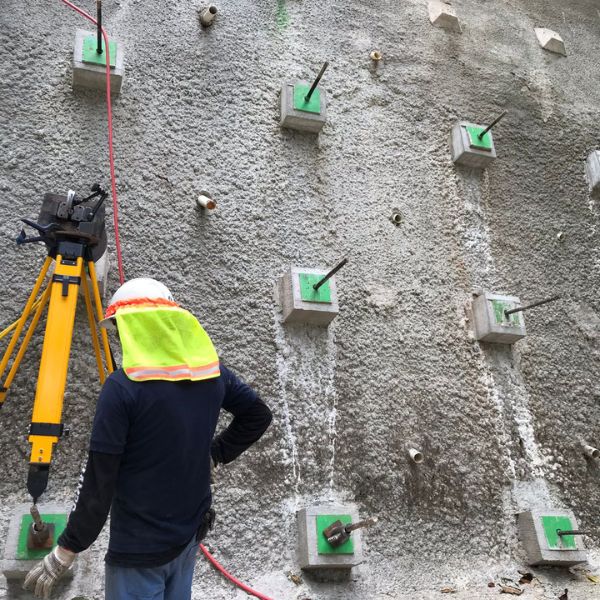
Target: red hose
{"x":111,"y":158}
{"x":229,"y":576}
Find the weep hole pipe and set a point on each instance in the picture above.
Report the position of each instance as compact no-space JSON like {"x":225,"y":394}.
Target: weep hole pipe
{"x":416,"y":455}
{"x":117,"y":243}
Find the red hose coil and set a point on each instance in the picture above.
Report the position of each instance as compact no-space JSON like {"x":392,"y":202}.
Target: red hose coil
{"x":229,"y":576}
{"x":111,"y":158}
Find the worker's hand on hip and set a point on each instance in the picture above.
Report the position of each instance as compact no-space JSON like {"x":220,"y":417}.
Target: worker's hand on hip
{"x":47,"y":572}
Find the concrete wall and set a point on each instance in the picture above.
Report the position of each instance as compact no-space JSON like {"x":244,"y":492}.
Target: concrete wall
{"x":500,"y":428}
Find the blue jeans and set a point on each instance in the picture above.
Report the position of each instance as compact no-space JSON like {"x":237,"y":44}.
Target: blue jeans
{"x":172,"y":581}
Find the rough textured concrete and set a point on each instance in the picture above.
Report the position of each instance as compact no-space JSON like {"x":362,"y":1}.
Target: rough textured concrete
{"x":500,"y":428}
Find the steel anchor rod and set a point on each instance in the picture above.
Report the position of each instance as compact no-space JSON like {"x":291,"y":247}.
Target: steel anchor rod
{"x":99,"y":25}
{"x":313,"y":87}
{"x":561,"y":532}
{"x":331,"y":273}
{"x":494,"y":122}
{"x":521,"y":308}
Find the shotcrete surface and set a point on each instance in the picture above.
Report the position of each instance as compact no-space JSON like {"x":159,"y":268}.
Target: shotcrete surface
{"x":501,"y":429}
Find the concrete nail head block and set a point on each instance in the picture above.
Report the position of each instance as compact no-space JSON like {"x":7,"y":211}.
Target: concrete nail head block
{"x":538,"y":531}
{"x":550,"y":40}
{"x":443,"y":15}
{"x":88,"y":75}
{"x":300,"y":115}
{"x":592,"y":172}
{"x":491,"y":324}
{"x":14,"y":567}
{"x":313,"y":552}
{"x":299,"y":302}
{"x":466,"y":147}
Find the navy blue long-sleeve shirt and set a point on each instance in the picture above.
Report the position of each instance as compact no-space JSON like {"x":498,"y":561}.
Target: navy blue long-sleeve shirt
{"x":149,"y":462}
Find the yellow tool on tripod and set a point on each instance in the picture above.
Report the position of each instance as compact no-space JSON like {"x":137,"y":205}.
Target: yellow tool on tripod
{"x":73,"y":230}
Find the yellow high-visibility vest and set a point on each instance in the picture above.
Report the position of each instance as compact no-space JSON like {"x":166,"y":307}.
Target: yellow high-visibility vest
{"x":166,"y":343}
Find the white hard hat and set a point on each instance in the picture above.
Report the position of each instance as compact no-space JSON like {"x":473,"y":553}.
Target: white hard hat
{"x":141,"y":287}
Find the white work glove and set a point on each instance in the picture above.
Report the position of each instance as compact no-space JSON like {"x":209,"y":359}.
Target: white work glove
{"x":48,"y":571}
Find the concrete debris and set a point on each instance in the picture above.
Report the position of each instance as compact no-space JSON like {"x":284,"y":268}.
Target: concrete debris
{"x":297,"y":579}
{"x":525,"y":577}
{"x":550,"y":40}
{"x":509,"y":589}
{"x":443,"y":15}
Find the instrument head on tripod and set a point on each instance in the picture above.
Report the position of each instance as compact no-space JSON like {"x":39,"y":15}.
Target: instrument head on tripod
{"x":71,"y":218}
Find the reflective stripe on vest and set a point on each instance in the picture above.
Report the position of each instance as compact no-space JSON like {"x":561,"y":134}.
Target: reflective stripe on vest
{"x":166,"y":343}
{"x":173,"y":373}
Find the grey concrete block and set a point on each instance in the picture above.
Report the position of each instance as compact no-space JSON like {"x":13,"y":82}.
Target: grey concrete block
{"x":296,"y":310}
{"x":550,"y":40}
{"x":90,"y":76}
{"x":464,"y":152}
{"x":490,"y":324}
{"x":308,"y":554}
{"x":537,"y":545}
{"x":592,"y":172}
{"x":443,"y":15}
{"x":298,"y":119}
{"x":12,"y":567}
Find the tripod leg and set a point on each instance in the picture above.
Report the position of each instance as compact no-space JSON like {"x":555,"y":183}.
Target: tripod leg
{"x":98,"y":302}
{"x":13,"y":369}
{"x":46,"y":426}
{"x":93,"y":331}
{"x":26,"y":312}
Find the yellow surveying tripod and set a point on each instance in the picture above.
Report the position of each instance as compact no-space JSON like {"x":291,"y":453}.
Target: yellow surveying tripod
{"x":73,"y":230}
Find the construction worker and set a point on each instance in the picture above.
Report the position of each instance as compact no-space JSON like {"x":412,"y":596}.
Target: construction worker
{"x":151,"y":449}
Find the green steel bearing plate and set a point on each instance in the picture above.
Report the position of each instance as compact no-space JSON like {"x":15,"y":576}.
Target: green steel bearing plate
{"x":323,"y":546}
{"x":313,"y":105}
{"x":485,"y":143}
{"x":551,"y":526}
{"x":90,"y":43}
{"x":309,"y":294}
{"x":23,"y":552}
{"x":499,"y":306}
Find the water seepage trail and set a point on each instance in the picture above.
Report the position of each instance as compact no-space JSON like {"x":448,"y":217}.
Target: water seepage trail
{"x":305,"y":362}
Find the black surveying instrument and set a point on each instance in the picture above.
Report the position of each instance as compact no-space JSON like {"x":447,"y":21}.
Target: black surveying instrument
{"x":73,"y":231}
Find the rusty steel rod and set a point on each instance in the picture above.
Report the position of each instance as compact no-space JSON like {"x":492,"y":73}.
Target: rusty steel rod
{"x":360,"y":524}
